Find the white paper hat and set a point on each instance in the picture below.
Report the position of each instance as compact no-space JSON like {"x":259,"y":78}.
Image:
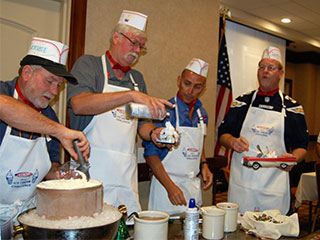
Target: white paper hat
{"x":134,"y":19}
{"x":272,"y":53}
{"x":49,"y":54}
{"x":198,"y":66}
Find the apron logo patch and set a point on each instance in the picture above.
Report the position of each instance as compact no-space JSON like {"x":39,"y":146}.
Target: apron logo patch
{"x":191,"y":153}
{"x":119,"y":115}
{"x":22,"y":179}
{"x":262,"y":130}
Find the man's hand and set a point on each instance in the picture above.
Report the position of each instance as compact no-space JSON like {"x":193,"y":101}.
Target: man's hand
{"x":154,"y":104}
{"x":289,"y":167}
{"x":156,"y":135}
{"x":67,"y":136}
{"x":240,"y":144}
{"x":176,"y":195}
{"x":206,"y":176}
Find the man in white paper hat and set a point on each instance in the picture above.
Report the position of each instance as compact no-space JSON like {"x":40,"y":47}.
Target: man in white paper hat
{"x":264,"y":120}
{"x":175,"y":172}
{"x":27,"y":157}
{"x":96,"y":106}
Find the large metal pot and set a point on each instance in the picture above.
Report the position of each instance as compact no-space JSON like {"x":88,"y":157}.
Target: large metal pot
{"x":107,"y":231}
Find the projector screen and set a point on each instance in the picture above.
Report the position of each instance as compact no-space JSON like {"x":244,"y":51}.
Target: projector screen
{"x":245,"y":46}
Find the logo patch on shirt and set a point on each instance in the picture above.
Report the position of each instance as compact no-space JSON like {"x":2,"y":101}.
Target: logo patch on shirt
{"x":265,"y":106}
{"x":262,"y":130}
{"x":290,"y":99}
{"x":191,"y":153}
{"x":22,"y":179}
{"x":297,"y":109}
{"x":237,"y":103}
{"x":120,"y":115}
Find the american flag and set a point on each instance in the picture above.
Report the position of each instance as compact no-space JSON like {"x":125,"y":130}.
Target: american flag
{"x":224,"y":91}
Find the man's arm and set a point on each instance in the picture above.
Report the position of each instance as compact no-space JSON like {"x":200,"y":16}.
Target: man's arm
{"x":205,"y":171}
{"x":237,"y":144}
{"x":96,"y":103}
{"x":174,"y":192}
{"x":21,"y":116}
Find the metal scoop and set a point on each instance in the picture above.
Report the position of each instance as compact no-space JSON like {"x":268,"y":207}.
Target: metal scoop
{"x":84,"y":167}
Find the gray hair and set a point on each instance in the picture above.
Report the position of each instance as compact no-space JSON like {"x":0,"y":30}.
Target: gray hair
{"x":124,"y":28}
{"x":34,"y":67}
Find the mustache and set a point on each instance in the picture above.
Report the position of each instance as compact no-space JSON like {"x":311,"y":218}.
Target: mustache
{"x":50,"y":96}
{"x":134,"y":54}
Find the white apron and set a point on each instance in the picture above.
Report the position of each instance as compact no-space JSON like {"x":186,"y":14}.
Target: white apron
{"x":265,"y":188}
{"x":23,"y":164}
{"x":182,"y":165}
{"x":112,"y":159}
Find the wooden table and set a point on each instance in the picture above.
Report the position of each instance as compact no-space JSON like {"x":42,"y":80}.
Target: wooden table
{"x":175,"y":232}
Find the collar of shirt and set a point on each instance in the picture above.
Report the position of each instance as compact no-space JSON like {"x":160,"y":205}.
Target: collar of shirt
{"x":184,"y":113}
{"x":190,"y":105}
{"x":116,"y":65}
{"x":111,"y":74}
{"x":271,"y":93}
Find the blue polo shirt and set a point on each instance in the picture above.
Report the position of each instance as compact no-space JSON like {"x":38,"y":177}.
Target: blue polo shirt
{"x":150,"y":149}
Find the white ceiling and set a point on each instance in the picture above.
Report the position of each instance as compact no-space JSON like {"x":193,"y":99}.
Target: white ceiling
{"x":265,"y":15}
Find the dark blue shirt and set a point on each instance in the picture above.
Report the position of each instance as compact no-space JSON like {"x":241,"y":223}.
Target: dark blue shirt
{"x":150,"y":149}
{"x":53,"y":146}
{"x":295,"y":127}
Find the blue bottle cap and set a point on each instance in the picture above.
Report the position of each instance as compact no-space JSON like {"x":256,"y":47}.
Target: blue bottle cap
{"x":192,"y":203}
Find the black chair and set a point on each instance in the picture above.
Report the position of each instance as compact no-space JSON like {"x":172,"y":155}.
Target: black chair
{"x":216,"y":163}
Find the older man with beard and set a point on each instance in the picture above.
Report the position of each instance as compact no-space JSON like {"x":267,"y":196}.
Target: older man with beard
{"x":106,"y":83}
{"x":26,"y":157}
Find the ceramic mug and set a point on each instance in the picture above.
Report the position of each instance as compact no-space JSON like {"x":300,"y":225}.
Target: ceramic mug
{"x":212,"y":222}
{"x":231,"y":217}
{"x":151,"y":225}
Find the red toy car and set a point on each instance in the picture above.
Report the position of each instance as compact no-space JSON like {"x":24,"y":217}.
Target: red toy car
{"x":256,"y":162}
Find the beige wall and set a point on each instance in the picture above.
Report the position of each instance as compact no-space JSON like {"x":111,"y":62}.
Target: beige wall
{"x":306,"y":89}
{"x":178,"y":30}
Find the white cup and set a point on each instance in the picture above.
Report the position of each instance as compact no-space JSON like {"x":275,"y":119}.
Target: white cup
{"x":212,"y":222}
{"x":151,"y":225}
{"x":231,"y":217}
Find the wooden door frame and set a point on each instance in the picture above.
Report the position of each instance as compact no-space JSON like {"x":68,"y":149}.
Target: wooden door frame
{"x":76,"y":41}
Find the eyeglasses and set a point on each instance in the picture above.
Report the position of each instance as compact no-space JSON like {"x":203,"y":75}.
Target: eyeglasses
{"x":135,"y":43}
{"x":269,"y":67}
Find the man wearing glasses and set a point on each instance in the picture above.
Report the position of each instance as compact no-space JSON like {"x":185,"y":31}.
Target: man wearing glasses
{"x":264,"y":120}
{"x":96,"y":106}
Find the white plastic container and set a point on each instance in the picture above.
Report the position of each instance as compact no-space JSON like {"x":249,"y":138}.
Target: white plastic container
{"x":212,"y":222}
{"x":231,"y":217}
{"x":151,"y":225}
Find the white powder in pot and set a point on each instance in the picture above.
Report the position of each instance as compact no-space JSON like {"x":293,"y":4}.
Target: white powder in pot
{"x":107,"y":216}
{"x":69,"y":183}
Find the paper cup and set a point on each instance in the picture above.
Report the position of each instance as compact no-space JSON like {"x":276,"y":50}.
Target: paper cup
{"x":212,"y":222}
{"x":151,"y":225}
{"x":231,"y":217}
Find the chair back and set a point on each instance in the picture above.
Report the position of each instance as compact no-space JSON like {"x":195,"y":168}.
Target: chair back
{"x":317,"y":170}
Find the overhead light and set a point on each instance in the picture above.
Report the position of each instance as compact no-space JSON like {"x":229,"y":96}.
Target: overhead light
{"x":286,"y":20}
